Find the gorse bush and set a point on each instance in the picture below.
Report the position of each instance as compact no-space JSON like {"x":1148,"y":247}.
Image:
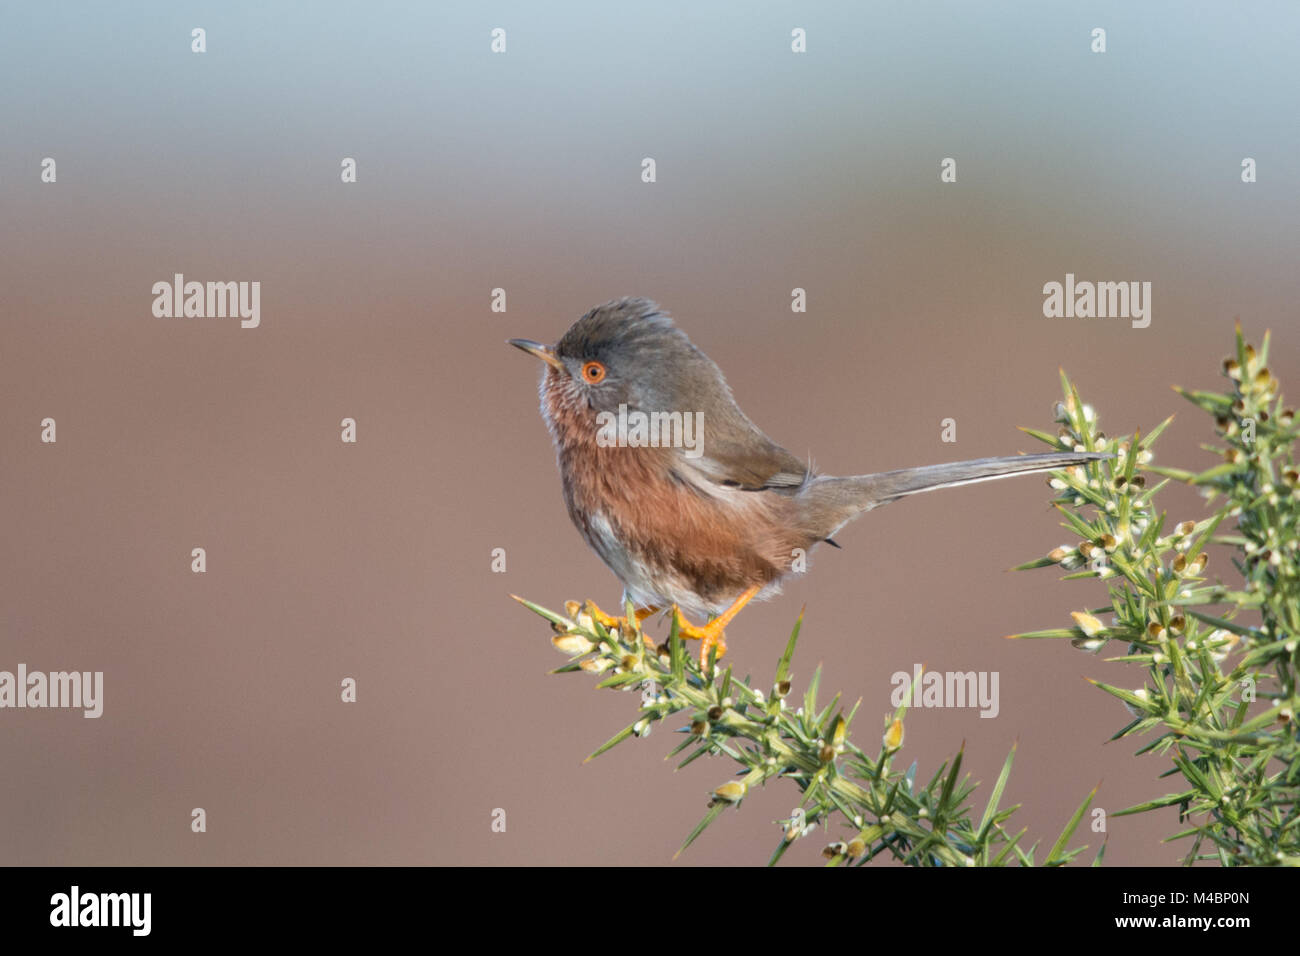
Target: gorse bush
{"x":774,"y":736}
{"x":1219,"y":659}
{"x":1219,"y":662}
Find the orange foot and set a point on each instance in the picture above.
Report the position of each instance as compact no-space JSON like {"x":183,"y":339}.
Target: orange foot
{"x":711,"y":635}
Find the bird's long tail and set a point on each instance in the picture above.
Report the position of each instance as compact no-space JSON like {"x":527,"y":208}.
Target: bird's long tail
{"x":889,"y":485}
{"x":840,"y":499}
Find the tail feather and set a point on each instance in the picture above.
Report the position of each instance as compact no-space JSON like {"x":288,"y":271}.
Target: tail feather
{"x":890,"y":485}
{"x":837,"y":500}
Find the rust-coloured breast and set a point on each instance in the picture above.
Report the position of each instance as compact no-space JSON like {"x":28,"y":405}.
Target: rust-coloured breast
{"x":655,"y":527}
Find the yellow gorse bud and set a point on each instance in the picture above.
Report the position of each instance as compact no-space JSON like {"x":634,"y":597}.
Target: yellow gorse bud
{"x":893,"y":738}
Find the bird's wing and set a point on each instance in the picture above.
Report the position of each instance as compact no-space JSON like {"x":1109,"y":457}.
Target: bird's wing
{"x":733,"y":451}
{"x":750,"y":461}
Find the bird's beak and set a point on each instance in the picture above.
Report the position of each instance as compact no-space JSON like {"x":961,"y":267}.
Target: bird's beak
{"x":537,"y":349}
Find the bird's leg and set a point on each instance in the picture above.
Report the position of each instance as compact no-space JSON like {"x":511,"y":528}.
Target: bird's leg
{"x":608,"y":621}
{"x":711,"y":634}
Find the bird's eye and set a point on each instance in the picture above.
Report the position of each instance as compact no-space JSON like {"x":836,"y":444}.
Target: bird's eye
{"x":593,"y":372}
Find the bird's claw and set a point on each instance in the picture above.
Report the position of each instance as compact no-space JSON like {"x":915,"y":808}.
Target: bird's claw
{"x":710,"y":635}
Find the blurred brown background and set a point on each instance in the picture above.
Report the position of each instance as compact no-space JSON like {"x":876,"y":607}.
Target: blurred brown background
{"x":521,"y":171}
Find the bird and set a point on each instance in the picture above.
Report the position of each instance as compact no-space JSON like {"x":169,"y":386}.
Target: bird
{"x":715,"y":514}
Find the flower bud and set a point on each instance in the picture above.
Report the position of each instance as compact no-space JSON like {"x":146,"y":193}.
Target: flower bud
{"x":893,"y":738}
{"x":1090,"y":626}
{"x":573,"y":644}
{"x":1220,"y":644}
{"x":1133,"y":709}
{"x":733,"y":791}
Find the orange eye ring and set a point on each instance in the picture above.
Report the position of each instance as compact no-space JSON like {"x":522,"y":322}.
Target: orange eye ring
{"x":593,"y":372}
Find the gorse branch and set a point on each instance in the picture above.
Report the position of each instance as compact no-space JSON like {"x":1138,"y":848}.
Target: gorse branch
{"x":1221,"y":691}
{"x":882,"y":810}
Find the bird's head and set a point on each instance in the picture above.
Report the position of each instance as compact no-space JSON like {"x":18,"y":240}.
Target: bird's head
{"x":624,"y":353}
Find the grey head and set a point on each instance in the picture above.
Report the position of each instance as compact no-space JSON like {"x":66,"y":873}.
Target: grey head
{"x":648,"y":363}
{"x":642,"y":360}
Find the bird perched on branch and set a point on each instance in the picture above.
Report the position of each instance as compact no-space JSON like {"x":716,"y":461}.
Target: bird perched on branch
{"x":714,"y":514}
